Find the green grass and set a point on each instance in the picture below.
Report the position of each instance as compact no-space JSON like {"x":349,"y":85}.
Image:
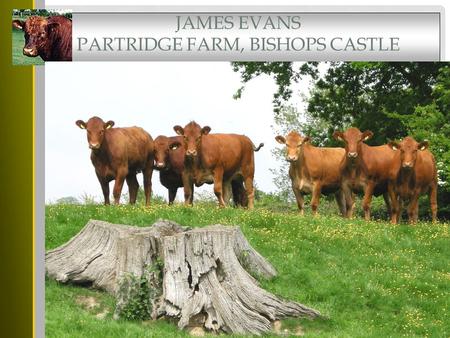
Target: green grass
{"x":370,"y":279}
{"x":18,"y":58}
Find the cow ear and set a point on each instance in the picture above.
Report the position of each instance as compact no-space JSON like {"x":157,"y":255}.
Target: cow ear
{"x":109,"y":124}
{"x":18,"y":24}
{"x":423,"y":145}
{"x":337,"y":135}
{"x":81,"y":124}
{"x":366,"y":135}
{"x":179,"y":130}
{"x":306,"y":139}
{"x":206,"y":130}
{"x":52,"y":26}
{"x":174,"y":145}
{"x":280,"y":139}
{"x":393,"y":145}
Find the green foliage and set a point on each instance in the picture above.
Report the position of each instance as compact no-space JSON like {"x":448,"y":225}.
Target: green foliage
{"x":371,"y":279}
{"x":138,"y":293}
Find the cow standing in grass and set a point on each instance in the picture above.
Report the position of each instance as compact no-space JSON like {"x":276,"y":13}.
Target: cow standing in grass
{"x":169,"y":161}
{"x":364,"y":169}
{"x":313,"y":170}
{"x":50,"y":38}
{"x":119,"y":154}
{"x":218,"y":158}
{"x":414,"y":173}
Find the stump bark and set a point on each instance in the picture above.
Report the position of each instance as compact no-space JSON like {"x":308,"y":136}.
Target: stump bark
{"x":202,"y":276}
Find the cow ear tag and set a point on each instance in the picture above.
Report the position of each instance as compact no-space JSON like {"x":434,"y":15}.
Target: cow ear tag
{"x":394,"y":148}
{"x":422,"y":148}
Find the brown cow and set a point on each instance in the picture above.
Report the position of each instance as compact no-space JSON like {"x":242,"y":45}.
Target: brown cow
{"x":119,"y":154}
{"x":414,"y":174}
{"x":169,"y":160}
{"x":313,"y":170}
{"x":364,"y":169}
{"x":218,"y":158}
{"x":50,"y":38}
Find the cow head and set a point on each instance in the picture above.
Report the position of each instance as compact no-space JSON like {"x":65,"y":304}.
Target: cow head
{"x":293,"y":142}
{"x":161,"y":152}
{"x":192,"y":137}
{"x":95,"y":128}
{"x":353,"y":139}
{"x":408,"y":148}
{"x":36,"y":31}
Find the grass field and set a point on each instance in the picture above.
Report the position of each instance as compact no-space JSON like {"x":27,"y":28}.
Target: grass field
{"x":17,"y":54}
{"x":371,"y":279}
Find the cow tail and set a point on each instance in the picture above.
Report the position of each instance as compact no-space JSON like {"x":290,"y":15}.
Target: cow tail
{"x":258,"y":147}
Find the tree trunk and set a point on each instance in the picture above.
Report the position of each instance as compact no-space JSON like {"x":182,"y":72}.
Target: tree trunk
{"x":201,"y":276}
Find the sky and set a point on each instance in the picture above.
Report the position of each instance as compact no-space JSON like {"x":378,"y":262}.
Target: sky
{"x":155,"y":96}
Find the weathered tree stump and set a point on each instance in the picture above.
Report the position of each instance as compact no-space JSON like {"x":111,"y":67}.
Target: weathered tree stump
{"x":201,"y":275}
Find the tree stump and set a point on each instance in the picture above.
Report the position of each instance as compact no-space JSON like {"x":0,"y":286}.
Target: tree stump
{"x":202,"y":276}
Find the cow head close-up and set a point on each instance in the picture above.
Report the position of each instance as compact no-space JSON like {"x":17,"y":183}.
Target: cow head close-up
{"x":36,"y":31}
{"x":352,"y":139}
{"x":192,"y":135}
{"x":293,"y":142}
{"x":408,"y":149}
{"x":95,"y":128}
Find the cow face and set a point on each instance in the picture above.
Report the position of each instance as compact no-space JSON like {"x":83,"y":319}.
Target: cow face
{"x":161,"y":152}
{"x":192,"y":137}
{"x":353,"y":139}
{"x":36,"y":31}
{"x":293,"y":142}
{"x":409,"y":149}
{"x":95,"y":128}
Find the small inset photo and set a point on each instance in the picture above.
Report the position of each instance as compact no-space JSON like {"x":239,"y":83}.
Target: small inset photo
{"x":40,"y":35}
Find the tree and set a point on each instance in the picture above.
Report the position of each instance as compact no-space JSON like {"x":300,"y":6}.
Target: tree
{"x":391,"y":99}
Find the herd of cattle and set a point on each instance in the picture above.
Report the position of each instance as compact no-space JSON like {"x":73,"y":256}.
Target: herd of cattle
{"x":398,"y":171}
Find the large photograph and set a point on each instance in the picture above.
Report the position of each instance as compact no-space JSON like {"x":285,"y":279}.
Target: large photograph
{"x":247,"y":198}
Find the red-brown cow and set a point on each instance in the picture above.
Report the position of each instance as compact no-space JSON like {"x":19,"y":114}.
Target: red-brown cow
{"x":218,"y":158}
{"x":170,"y":163}
{"x":119,"y":154}
{"x":364,"y":169}
{"x":50,"y":38}
{"x":313,"y":170}
{"x":414,"y":174}
{"x":169,"y":160}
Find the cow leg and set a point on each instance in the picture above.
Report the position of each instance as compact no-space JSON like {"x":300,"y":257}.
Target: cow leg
{"x":188,"y":186}
{"x":388,"y":203}
{"x":105,"y":189}
{"x":248,"y":182}
{"x":317,"y":188}
{"x":226,"y":187}
{"x":172,"y":195}
{"x":400,"y":209}
{"x":299,"y":197}
{"x":118,"y":185}
{"x":349,"y":200}
{"x":133,"y":187}
{"x":394,"y":208}
{"x":413,"y":208}
{"x":368,"y":199}
{"x":340,"y":200}
{"x":218,"y":186}
{"x":148,"y":173}
{"x":433,"y":201}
